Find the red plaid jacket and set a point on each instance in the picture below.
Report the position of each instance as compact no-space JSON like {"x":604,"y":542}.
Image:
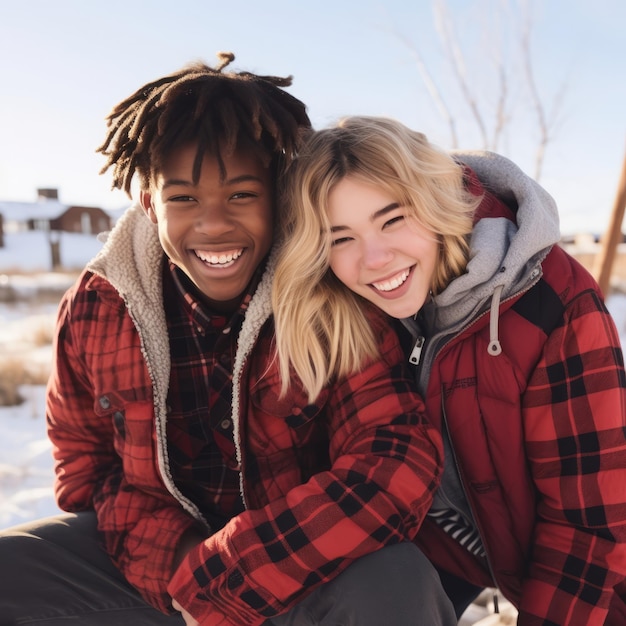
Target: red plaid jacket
{"x":324,"y":484}
{"x":539,"y":435}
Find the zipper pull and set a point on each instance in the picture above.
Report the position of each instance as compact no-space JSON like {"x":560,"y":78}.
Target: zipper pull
{"x":416,"y":353}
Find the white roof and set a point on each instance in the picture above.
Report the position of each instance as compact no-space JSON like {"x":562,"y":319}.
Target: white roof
{"x":22,"y":211}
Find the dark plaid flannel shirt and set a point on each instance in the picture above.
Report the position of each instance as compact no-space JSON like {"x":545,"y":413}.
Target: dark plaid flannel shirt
{"x":200,"y":426}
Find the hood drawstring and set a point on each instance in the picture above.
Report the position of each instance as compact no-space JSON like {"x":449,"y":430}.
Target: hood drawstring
{"x":494,"y":348}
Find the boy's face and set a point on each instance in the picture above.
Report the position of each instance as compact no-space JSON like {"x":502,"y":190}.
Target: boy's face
{"x":217,"y":231}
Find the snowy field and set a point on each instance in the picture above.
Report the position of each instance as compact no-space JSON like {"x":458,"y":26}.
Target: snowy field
{"x":28,"y":303}
{"x":25,"y":462}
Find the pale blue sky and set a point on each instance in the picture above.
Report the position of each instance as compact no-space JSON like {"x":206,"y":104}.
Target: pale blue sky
{"x":64,"y":64}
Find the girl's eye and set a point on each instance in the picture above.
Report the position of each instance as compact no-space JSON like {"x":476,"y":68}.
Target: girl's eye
{"x":339,"y":240}
{"x":180,"y":199}
{"x":394,"y":220}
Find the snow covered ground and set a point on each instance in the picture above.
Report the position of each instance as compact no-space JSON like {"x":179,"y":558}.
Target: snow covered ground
{"x":25,"y":462}
{"x":28,"y":303}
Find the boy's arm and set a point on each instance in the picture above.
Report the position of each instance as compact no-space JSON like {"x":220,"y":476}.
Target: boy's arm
{"x":385,"y":466}
{"x":140,"y":522}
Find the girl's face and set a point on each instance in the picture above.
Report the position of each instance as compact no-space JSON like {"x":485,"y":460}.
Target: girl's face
{"x":378,"y":251}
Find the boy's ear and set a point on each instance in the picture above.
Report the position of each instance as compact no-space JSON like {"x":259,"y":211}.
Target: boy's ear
{"x":145,"y":199}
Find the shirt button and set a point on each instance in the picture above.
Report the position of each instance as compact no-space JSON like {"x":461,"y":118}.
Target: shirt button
{"x":104,"y":402}
{"x":225,"y":424}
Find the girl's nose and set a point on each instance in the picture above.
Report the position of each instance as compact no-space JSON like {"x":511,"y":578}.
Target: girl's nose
{"x":375,"y":254}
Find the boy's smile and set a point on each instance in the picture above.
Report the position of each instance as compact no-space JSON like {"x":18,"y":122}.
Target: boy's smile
{"x":219,"y":259}
{"x":219,"y":230}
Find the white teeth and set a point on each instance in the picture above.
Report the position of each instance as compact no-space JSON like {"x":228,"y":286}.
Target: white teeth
{"x":394,"y":283}
{"x":222,"y":259}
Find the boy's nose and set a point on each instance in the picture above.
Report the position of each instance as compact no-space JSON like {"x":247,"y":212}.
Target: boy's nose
{"x":213,"y":218}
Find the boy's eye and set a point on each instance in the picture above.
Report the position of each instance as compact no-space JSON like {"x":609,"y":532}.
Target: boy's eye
{"x":242,"y":195}
{"x":180,"y":198}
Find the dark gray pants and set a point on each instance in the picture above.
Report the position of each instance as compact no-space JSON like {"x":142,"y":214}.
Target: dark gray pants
{"x":54,"y":573}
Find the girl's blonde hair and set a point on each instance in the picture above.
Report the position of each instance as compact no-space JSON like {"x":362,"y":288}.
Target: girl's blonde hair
{"x":322,"y":327}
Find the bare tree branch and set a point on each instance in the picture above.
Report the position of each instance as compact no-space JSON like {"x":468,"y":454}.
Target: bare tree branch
{"x":433,"y":90}
{"x":455,"y":56}
{"x":516,"y":29}
{"x":501,"y":116}
{"x":544,"y":135}
{"x":545,"y":122}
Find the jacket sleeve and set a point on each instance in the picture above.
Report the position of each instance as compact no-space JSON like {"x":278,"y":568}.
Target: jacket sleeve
{"x":385,"y":463}
{"x":97,"y":466}
{"x":574,"y":418}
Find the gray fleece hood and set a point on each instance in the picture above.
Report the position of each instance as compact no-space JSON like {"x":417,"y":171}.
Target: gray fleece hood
{"x":505,"y":258}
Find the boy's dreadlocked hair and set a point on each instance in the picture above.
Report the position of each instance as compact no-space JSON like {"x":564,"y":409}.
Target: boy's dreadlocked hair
{"x":221,"y":111}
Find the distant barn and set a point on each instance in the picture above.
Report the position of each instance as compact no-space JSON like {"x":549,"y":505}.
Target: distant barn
{"x":48,"y":214}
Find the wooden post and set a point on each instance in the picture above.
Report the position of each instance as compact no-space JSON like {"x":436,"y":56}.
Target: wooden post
{"x":606,"y":256}
{"x":55,"y":254}
{"x":54,"y":239}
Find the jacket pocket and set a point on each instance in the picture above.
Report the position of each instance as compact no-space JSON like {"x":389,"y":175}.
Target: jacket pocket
{"x":134,"y":437}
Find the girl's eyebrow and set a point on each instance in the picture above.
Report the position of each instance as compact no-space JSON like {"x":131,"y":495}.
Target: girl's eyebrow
{"x":375,"y":215}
